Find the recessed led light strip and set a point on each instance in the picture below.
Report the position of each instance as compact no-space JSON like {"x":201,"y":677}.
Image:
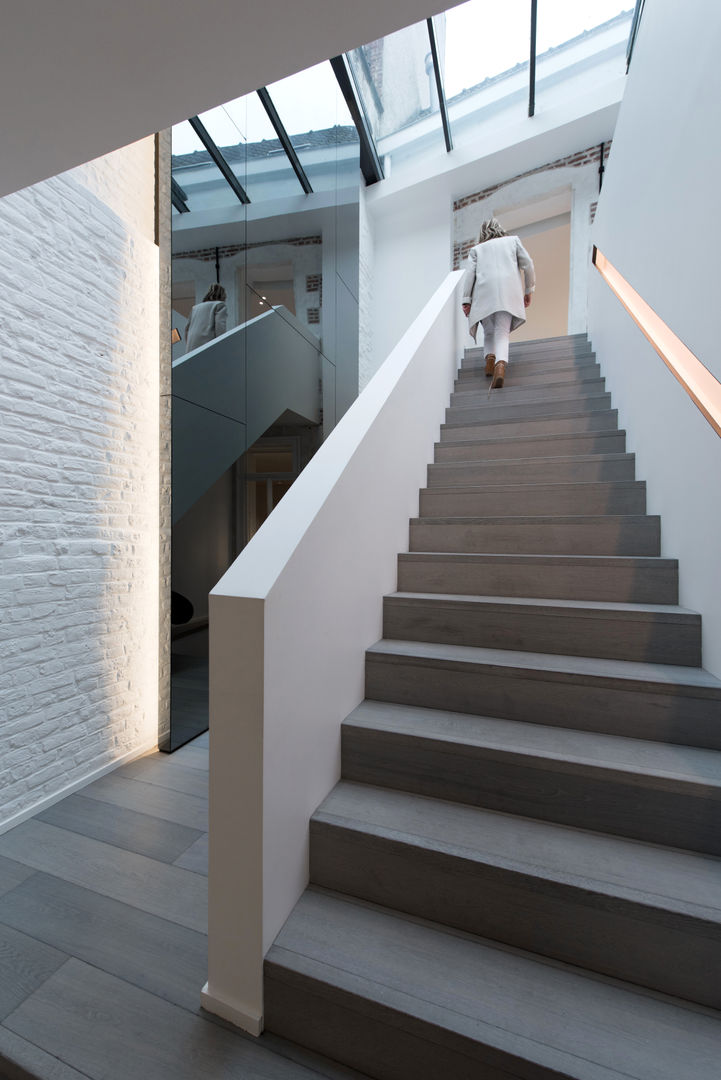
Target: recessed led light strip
{"x":698,"y":382}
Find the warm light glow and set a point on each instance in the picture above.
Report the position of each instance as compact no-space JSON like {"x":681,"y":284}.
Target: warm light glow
{"x":698,"y":382}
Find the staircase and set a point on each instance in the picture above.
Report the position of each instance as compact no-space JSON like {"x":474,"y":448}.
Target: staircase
{"x":518,"y":874}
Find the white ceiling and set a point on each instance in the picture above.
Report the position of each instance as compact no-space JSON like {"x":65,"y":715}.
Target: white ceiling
{"x":79,"y":78}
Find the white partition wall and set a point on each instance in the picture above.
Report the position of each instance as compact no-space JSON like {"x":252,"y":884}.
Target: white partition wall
{"x":289,"y":624}
{"x":658,"y":223}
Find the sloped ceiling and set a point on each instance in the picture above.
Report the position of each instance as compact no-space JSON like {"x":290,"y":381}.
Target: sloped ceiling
{"x":79,"y":78}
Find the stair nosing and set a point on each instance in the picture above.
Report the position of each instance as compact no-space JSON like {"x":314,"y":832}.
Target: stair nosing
{"x":557,"y":667}
{"x":514,"y":1030}
{"x":495,"y":855}
{"x":671,"y":613}
{"x":537,"y":519}
{"x":485,"y":423}
{"x":581,"y":560}
{"x":578,"y":459}
{"x":590,"y":752}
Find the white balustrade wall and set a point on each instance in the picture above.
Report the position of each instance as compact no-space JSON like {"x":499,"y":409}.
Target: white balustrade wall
{"x":289,"y":624}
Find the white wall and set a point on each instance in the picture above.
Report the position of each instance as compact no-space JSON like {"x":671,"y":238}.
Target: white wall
{"x":658,"y":222}
{"x":289,"y":625}
{"x":548,"y":314}
{"x":79,"y":512}
{"x":412,"y":256}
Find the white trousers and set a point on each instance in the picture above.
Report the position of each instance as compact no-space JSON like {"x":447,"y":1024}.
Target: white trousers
{"x":496,"y":332}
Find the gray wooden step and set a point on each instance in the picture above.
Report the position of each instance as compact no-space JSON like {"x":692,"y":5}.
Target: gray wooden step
{"x":515,"y":393}
{"x":647,"y":791}
{"x":531,"y":361}
{"x":487,"y":493}
{"x":646,"y":914}
{"x":606,"y":420}
{"x":458,"y":445}
{"x":401,"y":999}
{"x":515,"y":376}
{"x":660,"y":702}
{"x":570,"y":577}
{"x":650,"y":633}
{"x":628,"y":534}
{"x":543,"y":348}
{"x":572,"y":470}
{"x":499,"y":408}
{"x":558,"y":341}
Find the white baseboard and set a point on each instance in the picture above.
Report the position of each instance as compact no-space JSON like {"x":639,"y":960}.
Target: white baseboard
{"x":252,"y":1022}
{"x":70,"y":789}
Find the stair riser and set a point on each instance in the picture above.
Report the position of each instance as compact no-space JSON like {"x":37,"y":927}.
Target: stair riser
{"x":532,"y":787}
{"x":615,"y":936}
{"x":486,"y":434}
{"x":377,"y":1040}
{"x":541,"y":354}
{"x":653,"y":640}
{"x":583,"y":499}
{"x":543,"y":471}
{"x":586,"y":704}
{"x":497,"y":409}
{"x":481,"y":577}
{"x":561,"y":383}
{"x":593,"y":538}
{"x":531,"y":365}
{"x":453,"y":448}
{"x":519,"y":394}
{"x":521,"y":374}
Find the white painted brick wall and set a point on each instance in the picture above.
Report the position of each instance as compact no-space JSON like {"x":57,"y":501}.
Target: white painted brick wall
{"x":79,"y":408}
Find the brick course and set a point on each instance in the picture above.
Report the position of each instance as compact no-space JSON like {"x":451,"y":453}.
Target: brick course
{"x":79,"y":392}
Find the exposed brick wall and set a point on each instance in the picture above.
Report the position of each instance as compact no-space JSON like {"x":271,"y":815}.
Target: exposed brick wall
{"x":590,"y":156}
{"x":208,"y":254}
{"x":79,"y":517}
{"x":314,"y":284}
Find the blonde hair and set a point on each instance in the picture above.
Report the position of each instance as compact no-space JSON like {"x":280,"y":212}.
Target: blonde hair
{"x":215,"y":292}
{"x":491,"y":230}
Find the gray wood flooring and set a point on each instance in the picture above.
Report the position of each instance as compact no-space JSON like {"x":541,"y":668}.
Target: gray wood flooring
{"x":103,"y":910}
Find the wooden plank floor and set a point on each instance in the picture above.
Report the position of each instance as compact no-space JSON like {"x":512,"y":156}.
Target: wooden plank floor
{"x":103,"y":912}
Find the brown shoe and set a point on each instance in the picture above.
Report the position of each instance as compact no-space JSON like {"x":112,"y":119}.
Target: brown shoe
{"x":490,"y":361}
{"x":499,"y":374}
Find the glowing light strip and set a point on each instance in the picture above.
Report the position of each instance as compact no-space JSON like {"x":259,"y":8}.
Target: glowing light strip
{"x":698,"y":382}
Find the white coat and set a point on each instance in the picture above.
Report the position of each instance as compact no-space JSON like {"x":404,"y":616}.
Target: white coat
{"x":493,"y":282}
{"x":207,"y":321}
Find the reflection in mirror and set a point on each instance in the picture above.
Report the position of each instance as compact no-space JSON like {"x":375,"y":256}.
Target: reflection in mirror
{"x":252,"y":405}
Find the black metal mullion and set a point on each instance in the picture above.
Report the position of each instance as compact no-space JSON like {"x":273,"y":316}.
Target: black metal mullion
{"x":178,"y":197}
{"x":284,"y":139}
{"x":532,"y":60}
{"x":637,"y":13}
{"x":369,"y":160}
{"x":230,"y":178}
{"x":442,"y":104}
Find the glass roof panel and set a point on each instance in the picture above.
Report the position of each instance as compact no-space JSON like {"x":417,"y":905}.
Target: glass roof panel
{"x":397,"y":85}
{"x":316,"y":118}
{"x":247,"y":138}
{"x":197,"y":174}
{"x":558,"y":22}
{"x":481,"y":40}
{"x":584,"y":39}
